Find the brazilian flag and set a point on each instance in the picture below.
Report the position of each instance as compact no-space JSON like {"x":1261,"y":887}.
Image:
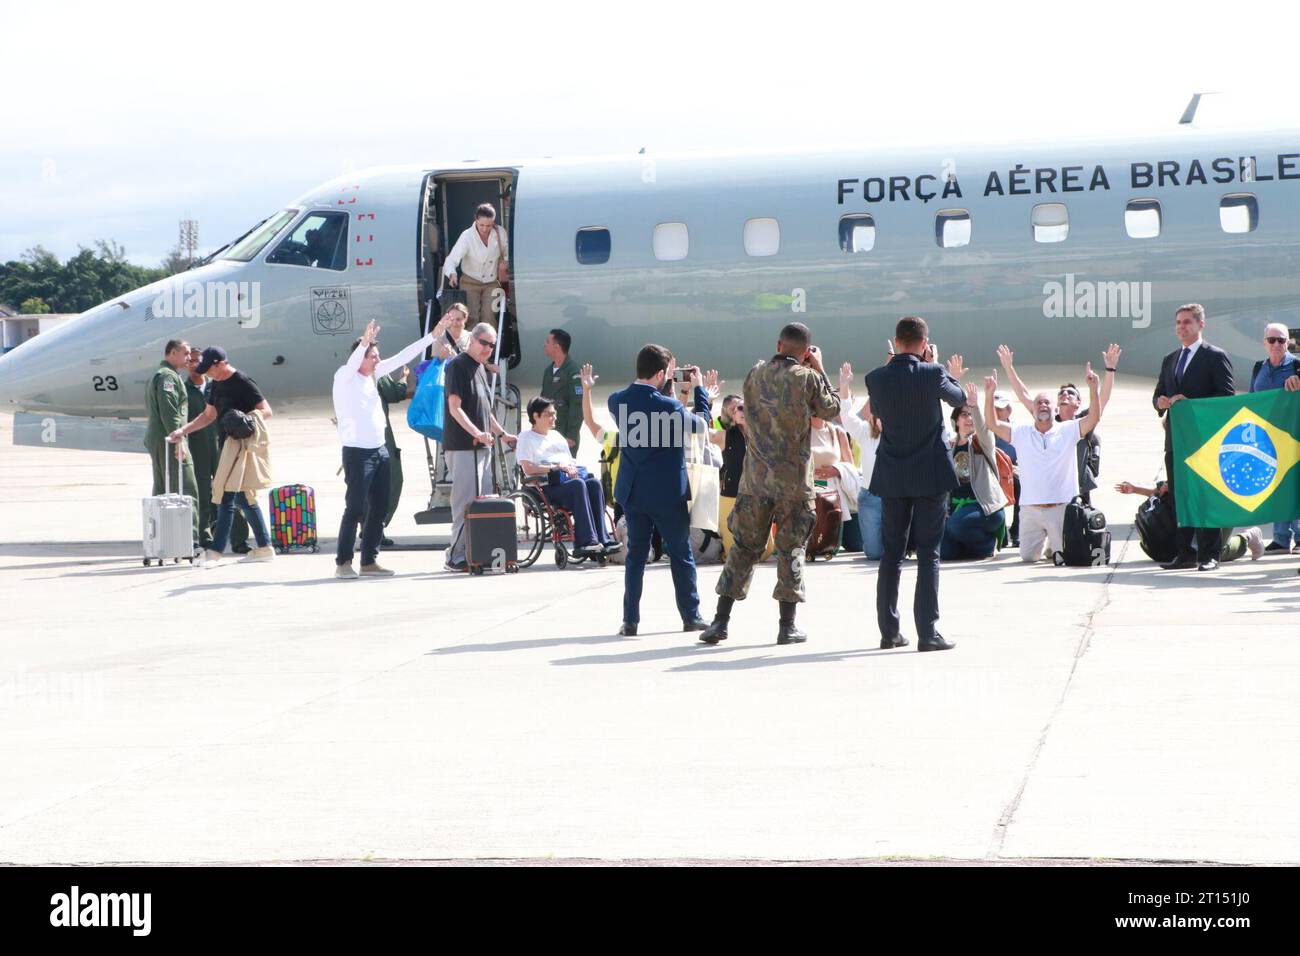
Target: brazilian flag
{"x":1236,"y":458}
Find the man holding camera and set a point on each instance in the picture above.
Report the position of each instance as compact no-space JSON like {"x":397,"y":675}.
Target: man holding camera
{"x":652,"y":486}
{"x":913,"y":474}
{"x":782,"y":396}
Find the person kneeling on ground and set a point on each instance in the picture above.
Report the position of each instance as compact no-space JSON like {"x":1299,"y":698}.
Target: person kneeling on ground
{"x":976,"y":522}
{"x":543,"y":452}
{"x":1157,"y":528}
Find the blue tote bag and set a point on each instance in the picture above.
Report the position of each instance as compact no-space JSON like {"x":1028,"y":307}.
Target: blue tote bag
{"x":427,"y":408}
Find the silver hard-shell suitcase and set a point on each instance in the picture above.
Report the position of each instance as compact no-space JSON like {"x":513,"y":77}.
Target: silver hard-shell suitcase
{"x":168,"y":522}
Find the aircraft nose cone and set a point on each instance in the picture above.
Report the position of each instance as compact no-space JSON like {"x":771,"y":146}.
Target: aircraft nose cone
{"x":9,"y":382}
{"x":27,"y":375}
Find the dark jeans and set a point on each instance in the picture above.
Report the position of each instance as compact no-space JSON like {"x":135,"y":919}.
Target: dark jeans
{"x":366,"y":471}
{"x":226,"y":517}
{"x":673,"y":524}
{"x":923,"y":518}
{"x":584,"y":499}
{"x":969,"y":534}
{"x":1209,"y":541}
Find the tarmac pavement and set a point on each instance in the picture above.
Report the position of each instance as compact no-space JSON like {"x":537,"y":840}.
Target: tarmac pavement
{"x":269,"y":712}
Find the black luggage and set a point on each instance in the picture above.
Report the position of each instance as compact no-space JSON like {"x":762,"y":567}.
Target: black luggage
{"x":491,"y":533}
{"x":1157,"y":530}
{"x":1085,"y":542}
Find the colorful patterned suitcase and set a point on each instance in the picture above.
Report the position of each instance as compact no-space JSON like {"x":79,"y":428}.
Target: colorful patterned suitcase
{"x":293,"y":519}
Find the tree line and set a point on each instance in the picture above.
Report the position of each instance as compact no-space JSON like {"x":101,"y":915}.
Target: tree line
{"x":37,"y":282}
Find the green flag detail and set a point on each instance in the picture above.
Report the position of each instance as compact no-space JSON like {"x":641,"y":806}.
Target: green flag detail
{"x":1235,"y":459}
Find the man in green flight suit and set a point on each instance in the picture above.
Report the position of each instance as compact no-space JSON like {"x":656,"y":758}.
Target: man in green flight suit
{"x":203,"y":449}
{"x":166,"y":405}
{"x":392,"y":389}
{"x":562,"y":384}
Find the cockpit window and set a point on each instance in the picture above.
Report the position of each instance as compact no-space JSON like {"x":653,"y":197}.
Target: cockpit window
{"x":255,"y":240}
{"x":320,"y":241}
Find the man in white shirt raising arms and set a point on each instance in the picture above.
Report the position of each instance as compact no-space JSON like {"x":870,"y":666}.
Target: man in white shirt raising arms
{"x":1049,"y":467}
{"x":360,"y":415}
{"x":482,"y":252}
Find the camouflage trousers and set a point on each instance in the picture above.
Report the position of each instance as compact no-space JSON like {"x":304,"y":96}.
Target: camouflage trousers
{"x":750,"y":524}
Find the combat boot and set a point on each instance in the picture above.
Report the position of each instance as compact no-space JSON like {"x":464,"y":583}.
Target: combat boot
{"x":787,"y":633}
{"x":717,"y":631}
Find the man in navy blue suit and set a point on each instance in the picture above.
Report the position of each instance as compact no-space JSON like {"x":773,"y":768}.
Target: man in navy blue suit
{"x":652,"y":485}
{"x":912,"y":476}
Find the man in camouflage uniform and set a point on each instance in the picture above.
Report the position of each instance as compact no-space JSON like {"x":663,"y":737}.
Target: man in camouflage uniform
{"x":782,"y":396}
{"x":166,"y":405}
{"x":203,"y":449}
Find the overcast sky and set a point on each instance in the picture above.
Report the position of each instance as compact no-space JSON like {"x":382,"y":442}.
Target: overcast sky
{"x":121,"y":119}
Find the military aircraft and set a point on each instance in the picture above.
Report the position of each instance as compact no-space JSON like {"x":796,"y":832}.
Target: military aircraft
{"x":1055,"y":248}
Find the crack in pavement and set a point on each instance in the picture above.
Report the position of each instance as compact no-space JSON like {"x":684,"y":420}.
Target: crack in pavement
{"x":1009,"y":811}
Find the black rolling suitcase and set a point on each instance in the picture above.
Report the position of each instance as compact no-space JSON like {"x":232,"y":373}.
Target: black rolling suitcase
{"x":491,"y":542}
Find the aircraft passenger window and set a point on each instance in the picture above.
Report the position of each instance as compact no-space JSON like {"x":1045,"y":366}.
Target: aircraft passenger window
{"x":255,"y":240}
{"x":1051,"y":222}
{"x":762,"y":237}
{"x":592,"y":245}
{"x":1238,"y":212}
{"x":1142,"y":218}
{"x":319,"y":241}
{"x":672,"y":241}
{"x":952,"y":228}
{"x":857,"y":233}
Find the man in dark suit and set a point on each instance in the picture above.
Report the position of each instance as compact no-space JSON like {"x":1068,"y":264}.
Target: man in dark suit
{"x":1197,"y":370}
{"x":912,"y":476}
{"x":652,"y":487}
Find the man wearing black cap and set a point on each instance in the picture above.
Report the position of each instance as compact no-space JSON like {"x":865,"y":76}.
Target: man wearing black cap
{"x":230,"y":390}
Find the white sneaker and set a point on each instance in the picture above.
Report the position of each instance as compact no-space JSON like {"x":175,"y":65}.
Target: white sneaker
{"x":376,"y":571}
{"x":345,"y":571}
{"x":1255,"y":542}
{"x":261,"y":554}
{"x":211,"y":557}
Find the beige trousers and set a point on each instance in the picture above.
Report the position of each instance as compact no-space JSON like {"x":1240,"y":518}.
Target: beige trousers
{"x":481,"y":300}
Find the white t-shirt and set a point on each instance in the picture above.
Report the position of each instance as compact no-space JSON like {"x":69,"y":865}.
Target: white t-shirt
{"x":543,"y":450}
{"x":1049,"y":465}
{"x":859,"y":429}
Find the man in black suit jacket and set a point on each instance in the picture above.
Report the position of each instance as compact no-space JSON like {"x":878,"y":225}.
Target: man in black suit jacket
{"x":1196,"y":370}
{"x":912,"y":476}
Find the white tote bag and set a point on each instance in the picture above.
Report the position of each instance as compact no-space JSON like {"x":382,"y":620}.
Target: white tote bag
{"x":704,"y":485}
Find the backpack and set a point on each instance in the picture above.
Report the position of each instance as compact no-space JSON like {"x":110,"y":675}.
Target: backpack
{"x":1157,"y":530}
{"x":1006,"y":471}
{"x":237,"y":424}
{"x":427,"y":410}
{"x":1085,"y":542}
{"x":609,"y":463}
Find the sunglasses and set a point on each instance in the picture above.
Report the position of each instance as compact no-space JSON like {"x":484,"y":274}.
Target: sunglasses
{"x":490,"y":343}
{"x":1275,"y":340}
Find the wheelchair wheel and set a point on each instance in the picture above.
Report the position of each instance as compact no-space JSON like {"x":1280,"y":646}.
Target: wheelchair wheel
{"x":530,"y":528}
{"x":561,"y":556}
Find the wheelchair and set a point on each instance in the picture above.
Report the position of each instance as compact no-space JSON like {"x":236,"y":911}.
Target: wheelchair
{"x":538,"y":521}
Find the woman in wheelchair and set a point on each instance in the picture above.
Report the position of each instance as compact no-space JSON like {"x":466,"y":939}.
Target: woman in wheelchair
{"x":543,"y":455}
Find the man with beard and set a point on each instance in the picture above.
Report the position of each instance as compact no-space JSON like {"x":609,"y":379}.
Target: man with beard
{"x":1049,"y":468}
{"x":1068,"y":402}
